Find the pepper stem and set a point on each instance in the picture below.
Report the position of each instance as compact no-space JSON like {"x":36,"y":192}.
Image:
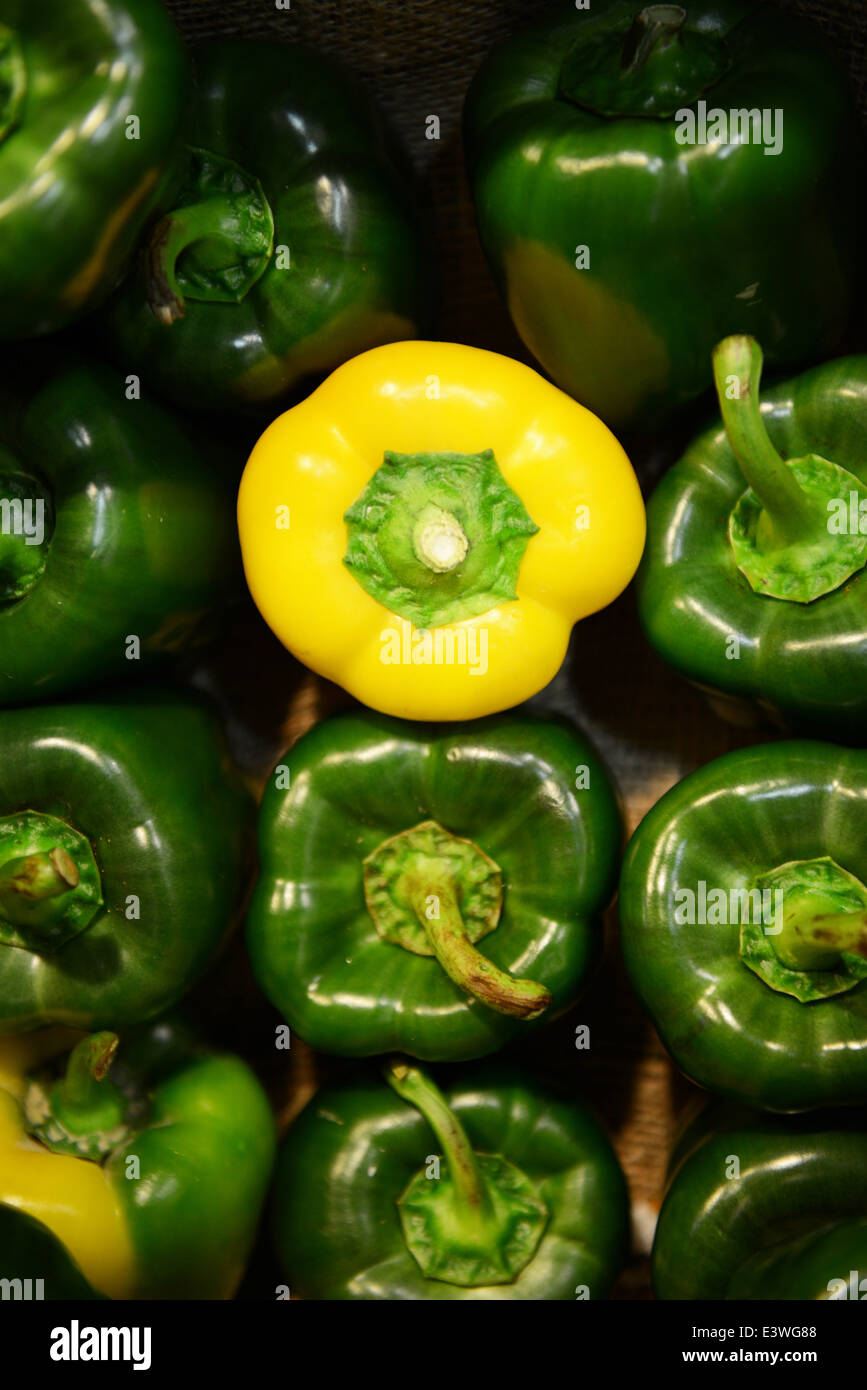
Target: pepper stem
{"x":412,"y":1085}
{"x":789,"y":516}
{"x":32,"y":879}
{"x":817,"y":945}
{"x":81,"y":1088}
{"x":211,"y":220}
{"x":439,"y":540}
{"x":653,"y":30}
{"x":815,"y":940}
{"x":460,"y":959}
{"x":434,"y":893}
{"x":478,"y":1221}
{"x":224,"y":229}
{"x":82,"y":1113}
{"x":50,"y":886}
{"x":406,"y":545}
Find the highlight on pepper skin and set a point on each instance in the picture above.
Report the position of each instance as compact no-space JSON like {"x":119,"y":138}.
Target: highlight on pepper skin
{"x":426,"y":528}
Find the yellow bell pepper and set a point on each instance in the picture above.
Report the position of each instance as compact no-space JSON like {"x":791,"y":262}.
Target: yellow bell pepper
{"x":75,"y":1199}
{"x":428,"y":525}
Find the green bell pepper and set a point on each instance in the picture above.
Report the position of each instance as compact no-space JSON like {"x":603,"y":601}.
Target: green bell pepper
{"x":388,"y":850}
{"x":290,"y":247}
{"x":743,"y":906}
{"x":116,"y":539}
{"x":131,"y":1172}
{"x":123,"y":846}
{"x":92,"y":99}
{"x":649,"y":180}
{"x":752,"y":582}
{"x":498,"y":1189}
{"x":762,"y":1208}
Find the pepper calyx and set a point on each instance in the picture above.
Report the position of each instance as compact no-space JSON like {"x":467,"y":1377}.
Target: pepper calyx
{"x":82,"y":1113}
{"x":215,"y":244}
{"x":50,"y":887}
{"x":436,"y":894}
{"x":789,"y":531}
{"x":438,"y":538}
{"x":468,"y":1219}
{"x":652,"y":67}
{"x":816,"y":947}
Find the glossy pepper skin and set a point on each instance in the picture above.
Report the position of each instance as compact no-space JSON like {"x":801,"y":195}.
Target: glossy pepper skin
{"x":729,"y":826}
{"x":137,"y":538}
{"x":624,"y":255}
{"x":91,"y":112}
{"x":140,"y":794}
{"x":508,"y":785}
{"x":449,"y":515}
{"x":177,"y":1224}
{"x":291,"y":246}
{"x":791,"y":1224}
{"x":797,"y":663}
{"x":350,"y":1155}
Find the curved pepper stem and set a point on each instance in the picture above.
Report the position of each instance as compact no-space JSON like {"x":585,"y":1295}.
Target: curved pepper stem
{"x":790,"y":515}
{"x":785,"y":531}
{"x":463,"y":962}
{"x":477,"y":1221}
{"x":412,"y":1085}
{"x":434,"y":893}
